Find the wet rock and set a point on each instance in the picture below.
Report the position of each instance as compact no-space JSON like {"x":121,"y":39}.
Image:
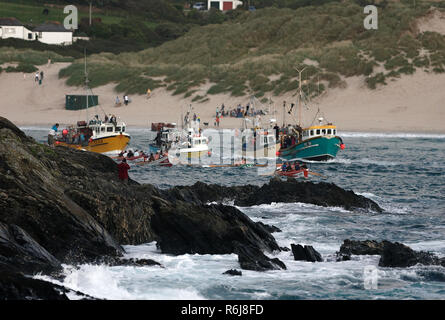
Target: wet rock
{"x":182,"y":228}
{"x":277,"y":190}
{"x":251,"y":258}
{"x":306,"y":253}
{"x":233,"y":272}
{"x":20,"y":253}
{"x":15,"y":286}
{"x":391,"y":254}
{"x":399,"y":255}
{"x":269,"y":227}
{"x":356,"y":247}
{"x":136,"y":262}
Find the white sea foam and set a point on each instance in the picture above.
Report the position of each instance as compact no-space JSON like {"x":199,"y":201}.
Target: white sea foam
{"x":391,"y":135}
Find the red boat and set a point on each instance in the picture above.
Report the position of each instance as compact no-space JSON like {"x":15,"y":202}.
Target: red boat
{"x":293,"y":173}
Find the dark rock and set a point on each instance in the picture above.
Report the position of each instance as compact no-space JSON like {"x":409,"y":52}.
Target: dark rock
{"x":356,"y":247}
{"x":277,"y":190}
{"x":233,"y":272}
{"x":20,"y":253}
{"x":15,"y":286}
{"x":269,"y":227}
{"x":392,"y":254}
{"x":186,"y":228}
{"x":136,"y":262}
{"x":284,"y":249}
{"x":306,"y":253}
{"x":399,"y":255}
{"x":251,"y":258}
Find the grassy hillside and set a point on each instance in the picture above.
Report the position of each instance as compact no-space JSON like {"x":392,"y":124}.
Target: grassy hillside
{"x":257,"y":52}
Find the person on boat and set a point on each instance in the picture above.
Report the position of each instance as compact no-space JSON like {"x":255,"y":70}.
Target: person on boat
{"x":288,"y":167}
{"x":121,"y":154}
{"x":136,"y":153}
{"x":297,"y":166}
{"x":65,"y":135}
{"x":52,"y":134}
{"x":152,"y":158}
{"x":123,"y":168}
{"x":130,"y":153}
{"x":284,"y":167}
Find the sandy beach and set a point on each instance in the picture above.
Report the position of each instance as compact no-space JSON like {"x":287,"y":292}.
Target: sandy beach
{"x":414,"y":103}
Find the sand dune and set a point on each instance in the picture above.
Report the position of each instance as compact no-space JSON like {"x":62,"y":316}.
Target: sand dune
{"x":414,"y":103}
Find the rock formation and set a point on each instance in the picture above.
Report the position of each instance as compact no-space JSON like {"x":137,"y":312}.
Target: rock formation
{"x":391,"y":254}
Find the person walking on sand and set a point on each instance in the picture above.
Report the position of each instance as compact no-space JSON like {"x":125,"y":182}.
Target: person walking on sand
{"x":126,"y":100}
{"x":148,"y":93}
{"x":36,"y":79}
{"x":123,"y":168}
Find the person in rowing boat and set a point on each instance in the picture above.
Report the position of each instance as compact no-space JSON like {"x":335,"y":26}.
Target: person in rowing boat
{"x":152,"y":158}
{"x":284,"y":167}
{"x":130,"y":153}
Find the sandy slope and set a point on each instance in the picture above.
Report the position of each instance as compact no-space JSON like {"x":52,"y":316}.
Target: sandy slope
{"x":412,"y":104}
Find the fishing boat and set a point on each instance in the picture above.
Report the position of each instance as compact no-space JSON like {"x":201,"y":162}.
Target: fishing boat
{"x":258,"y":144}
{"x":106,"y":137}
{"x":194,"y":145}
{"x":318,"y":142}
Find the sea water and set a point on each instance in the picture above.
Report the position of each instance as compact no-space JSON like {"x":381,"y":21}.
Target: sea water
{"x":403,"y":173}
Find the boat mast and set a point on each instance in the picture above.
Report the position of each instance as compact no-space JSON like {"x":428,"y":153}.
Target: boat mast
{"x":300,"y":94}
{"x":86,"y":79}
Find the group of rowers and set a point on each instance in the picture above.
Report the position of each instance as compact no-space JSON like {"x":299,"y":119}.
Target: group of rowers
{"x":131,"y":155}
{"x":292,"y":166}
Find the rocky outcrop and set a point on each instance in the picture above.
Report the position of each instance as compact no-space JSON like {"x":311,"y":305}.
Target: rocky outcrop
{"x":59,"y":205}
{"x":252,"y":258}
{"x":277,"y":190}
{"x":391,"y":254}
{"x":306,"y":253}
{"x":233,"y":272}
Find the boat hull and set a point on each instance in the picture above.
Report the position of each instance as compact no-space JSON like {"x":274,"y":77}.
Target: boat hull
{"x":105,"y":145}
{"x":316,"y":149}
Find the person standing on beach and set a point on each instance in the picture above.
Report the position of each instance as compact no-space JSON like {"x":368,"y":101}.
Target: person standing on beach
{"x":123,"y":168}
{"x":148,"y":93}
{"x":36,"y":79}
{"x":126,"y":100}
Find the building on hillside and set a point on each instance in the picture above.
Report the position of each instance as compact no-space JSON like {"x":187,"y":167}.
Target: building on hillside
{"x":54,"y":33}
{"x":13,"y":28}
{"x":223,"y":5}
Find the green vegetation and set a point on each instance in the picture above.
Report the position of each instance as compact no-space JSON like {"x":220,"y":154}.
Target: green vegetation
{"x":257,"y":52}
{"x":245,"y":52}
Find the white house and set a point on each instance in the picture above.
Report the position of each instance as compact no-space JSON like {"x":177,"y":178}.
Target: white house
{"x":13,"y":28}
{"x":224,"y":5}
{"x":54,"y":33}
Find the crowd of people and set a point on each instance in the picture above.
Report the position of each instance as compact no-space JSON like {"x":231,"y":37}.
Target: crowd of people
{"x":239,"y":112}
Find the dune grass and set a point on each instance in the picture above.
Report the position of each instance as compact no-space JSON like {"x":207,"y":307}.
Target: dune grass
{"x":257,"y":53}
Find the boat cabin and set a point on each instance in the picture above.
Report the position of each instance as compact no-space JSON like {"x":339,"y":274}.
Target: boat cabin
{"x":197,"y":141}
{"x":319,"y":131}
{"x":99,"y":128}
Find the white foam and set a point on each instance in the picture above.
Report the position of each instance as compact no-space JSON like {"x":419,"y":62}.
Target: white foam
{"x":391,"y":135}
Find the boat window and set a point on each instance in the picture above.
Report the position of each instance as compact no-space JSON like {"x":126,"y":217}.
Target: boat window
{"x":323,"y":131}
{"x":312,"y":132}
{"x":123,"y":129}
{"x":118,"y":129}
{"x":102,"y":129}
{"x":110,"y":129}
{"x":334,"y":131}
{"x":329,"y":131}
{"x":318,"y":131}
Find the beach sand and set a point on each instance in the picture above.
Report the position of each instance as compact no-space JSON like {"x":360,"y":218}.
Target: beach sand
{"x":414,"y":103}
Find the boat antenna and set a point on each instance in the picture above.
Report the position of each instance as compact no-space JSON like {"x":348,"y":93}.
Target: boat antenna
{"x":300,"y":94}
{"x":86,"y":79}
